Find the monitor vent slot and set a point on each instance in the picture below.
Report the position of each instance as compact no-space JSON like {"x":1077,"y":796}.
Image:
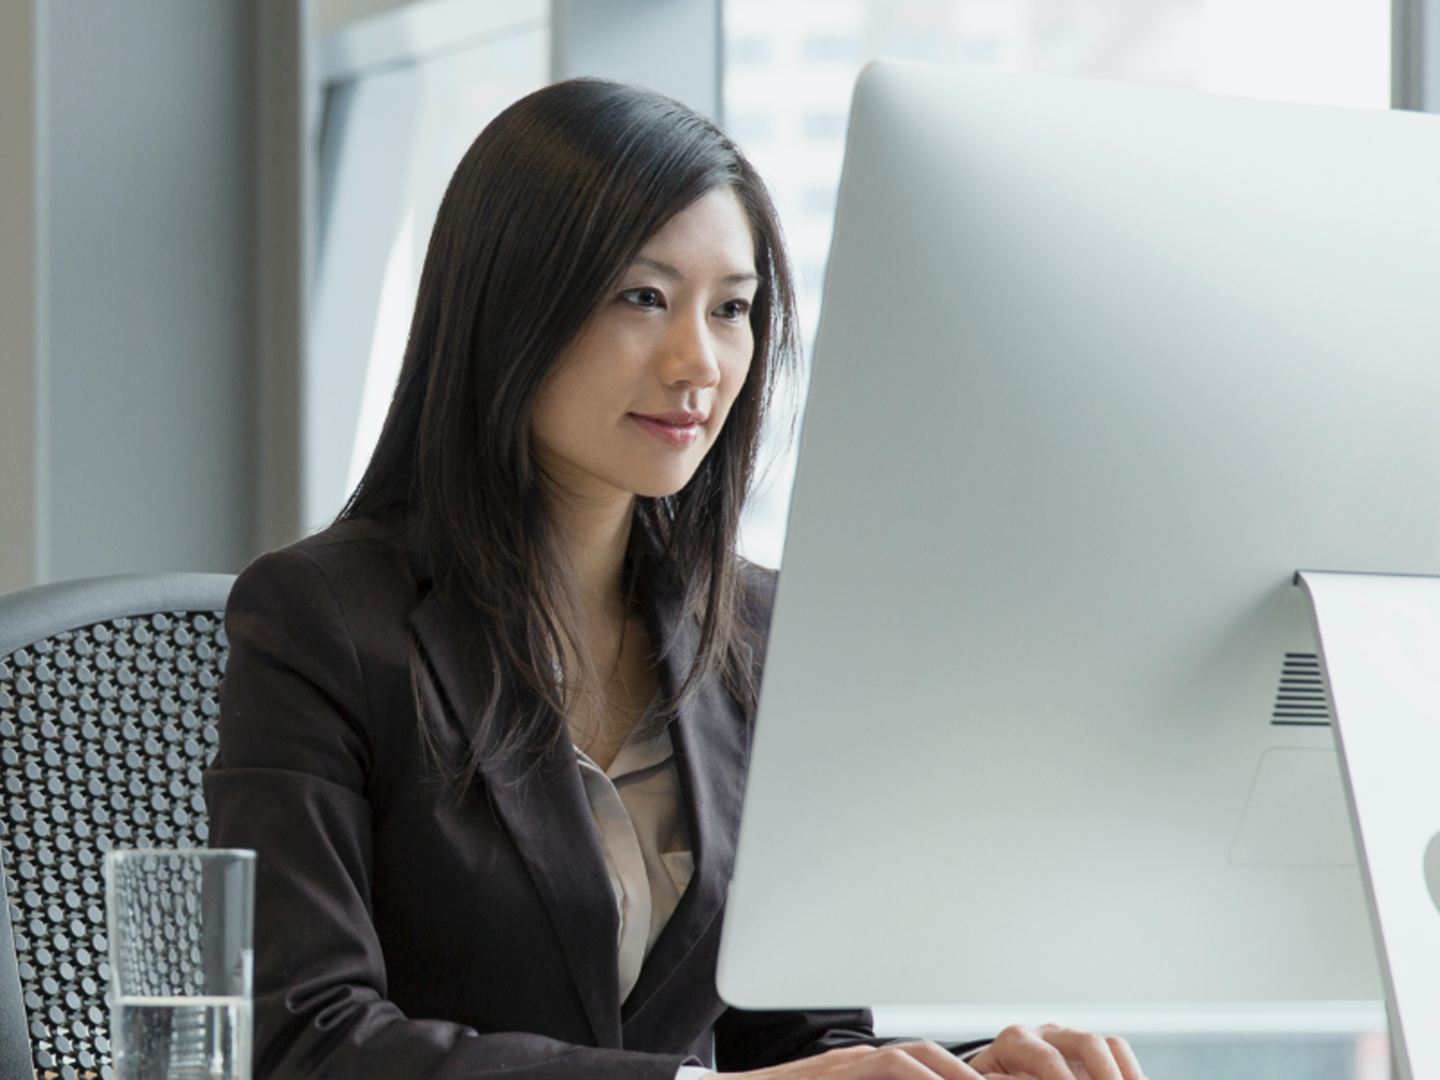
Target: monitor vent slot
{"x":1302,"y":698}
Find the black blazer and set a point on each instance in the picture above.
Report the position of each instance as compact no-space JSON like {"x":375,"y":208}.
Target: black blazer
{"x":404,"y":933}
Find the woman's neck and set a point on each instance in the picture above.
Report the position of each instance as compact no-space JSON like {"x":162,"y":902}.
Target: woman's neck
{"x":595,"y":536}
{"x":621,"y":678}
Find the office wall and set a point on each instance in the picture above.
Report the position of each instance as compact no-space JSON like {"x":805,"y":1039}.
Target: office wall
{"x":150,"y":292}
{"x":17,"y":294}
{"x":287,"y":107}
{"x":1415,"y":52}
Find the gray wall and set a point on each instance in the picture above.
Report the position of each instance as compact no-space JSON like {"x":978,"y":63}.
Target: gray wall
{"x":17,"y":294}
{"x":1427,"y":44}
{"x":150,"y":300}
{"x":1415,"y":55}
{"x":154,"y":166}
{"x":288,"y":114}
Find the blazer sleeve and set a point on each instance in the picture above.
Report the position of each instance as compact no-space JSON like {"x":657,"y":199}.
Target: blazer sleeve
{"x":290,"y":782}
{"x":755,"y":1040}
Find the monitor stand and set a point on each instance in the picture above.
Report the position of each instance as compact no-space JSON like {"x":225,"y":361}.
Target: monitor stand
{"x":1380,"y":638}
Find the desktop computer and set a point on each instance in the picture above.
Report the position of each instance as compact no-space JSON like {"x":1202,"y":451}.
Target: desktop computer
{"x":1045,"y":719}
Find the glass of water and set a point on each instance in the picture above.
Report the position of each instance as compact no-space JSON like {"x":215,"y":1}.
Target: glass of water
{"x":181,"y":962}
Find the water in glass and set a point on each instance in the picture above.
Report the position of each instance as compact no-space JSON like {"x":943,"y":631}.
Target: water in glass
{"x":181,"y":1038}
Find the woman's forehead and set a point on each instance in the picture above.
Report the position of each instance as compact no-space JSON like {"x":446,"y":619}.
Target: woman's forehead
{"x":713,"y":233}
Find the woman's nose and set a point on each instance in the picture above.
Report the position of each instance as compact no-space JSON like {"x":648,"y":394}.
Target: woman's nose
{"x":690,"y":358}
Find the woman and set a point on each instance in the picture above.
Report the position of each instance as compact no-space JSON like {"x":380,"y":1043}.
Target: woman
{"x":488,"y":731}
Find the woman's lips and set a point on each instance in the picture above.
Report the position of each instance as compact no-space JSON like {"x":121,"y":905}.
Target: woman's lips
{"x":680,"y":429}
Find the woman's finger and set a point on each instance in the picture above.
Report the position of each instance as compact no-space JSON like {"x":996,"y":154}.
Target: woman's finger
{"x":1022,"y":1051}
{"x":1101,"y":1057}
{"x":938,"y":1060}
{"x":898,"y":1061}
{"x":1093,"y":1052}
{"x":1125,"y":1058}
{"x":910,"y":1061}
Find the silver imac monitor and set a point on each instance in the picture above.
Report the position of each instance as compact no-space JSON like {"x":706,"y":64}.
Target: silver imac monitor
{"x":1100,"y":367}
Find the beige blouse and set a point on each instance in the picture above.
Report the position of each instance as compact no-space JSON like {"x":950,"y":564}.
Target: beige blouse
{"x":640,"y":817}
{"x":638,"y":812}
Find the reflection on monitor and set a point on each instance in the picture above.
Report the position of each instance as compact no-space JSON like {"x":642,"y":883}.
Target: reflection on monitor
{"x":1100,"y":367}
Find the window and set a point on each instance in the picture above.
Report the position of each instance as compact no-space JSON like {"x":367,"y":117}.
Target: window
{"x":406,"y":94}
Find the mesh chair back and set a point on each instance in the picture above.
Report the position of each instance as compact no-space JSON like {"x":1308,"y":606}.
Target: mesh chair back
{"x":107,"y":717}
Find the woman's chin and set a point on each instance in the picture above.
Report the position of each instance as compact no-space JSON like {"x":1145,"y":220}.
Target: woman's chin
{"x":662,"y":487}
{"x":660,"y":491}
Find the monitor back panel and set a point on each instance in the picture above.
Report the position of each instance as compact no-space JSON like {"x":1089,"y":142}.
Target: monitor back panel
{"x":1099,"y":368}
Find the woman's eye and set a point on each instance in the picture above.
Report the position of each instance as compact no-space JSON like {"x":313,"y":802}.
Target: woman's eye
{"x":734,"y":310}
{"x":644,"y":297}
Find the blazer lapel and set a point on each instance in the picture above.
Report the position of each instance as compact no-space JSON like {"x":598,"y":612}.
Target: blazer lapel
{"x":543,"y":807}
{"x":711,"y":745}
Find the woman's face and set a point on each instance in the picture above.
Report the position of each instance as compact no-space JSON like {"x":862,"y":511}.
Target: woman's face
{"x":639,"y":397}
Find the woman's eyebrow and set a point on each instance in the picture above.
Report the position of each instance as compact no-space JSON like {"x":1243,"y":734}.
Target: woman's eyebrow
{"x":675,"y":275}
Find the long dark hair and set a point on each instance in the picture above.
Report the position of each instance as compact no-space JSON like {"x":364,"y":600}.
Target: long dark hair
{"x":548,"y":207}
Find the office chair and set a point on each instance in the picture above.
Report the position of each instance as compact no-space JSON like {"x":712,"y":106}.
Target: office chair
{"x":107,"y":717}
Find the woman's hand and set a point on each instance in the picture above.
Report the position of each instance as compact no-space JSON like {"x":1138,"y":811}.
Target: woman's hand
{"x":899,"y":1061}
{"x":1056,"y":1053}
{"x":1045,"y":1053}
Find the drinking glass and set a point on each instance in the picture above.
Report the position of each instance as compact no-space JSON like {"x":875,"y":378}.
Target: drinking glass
{"x":181,"y":961}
